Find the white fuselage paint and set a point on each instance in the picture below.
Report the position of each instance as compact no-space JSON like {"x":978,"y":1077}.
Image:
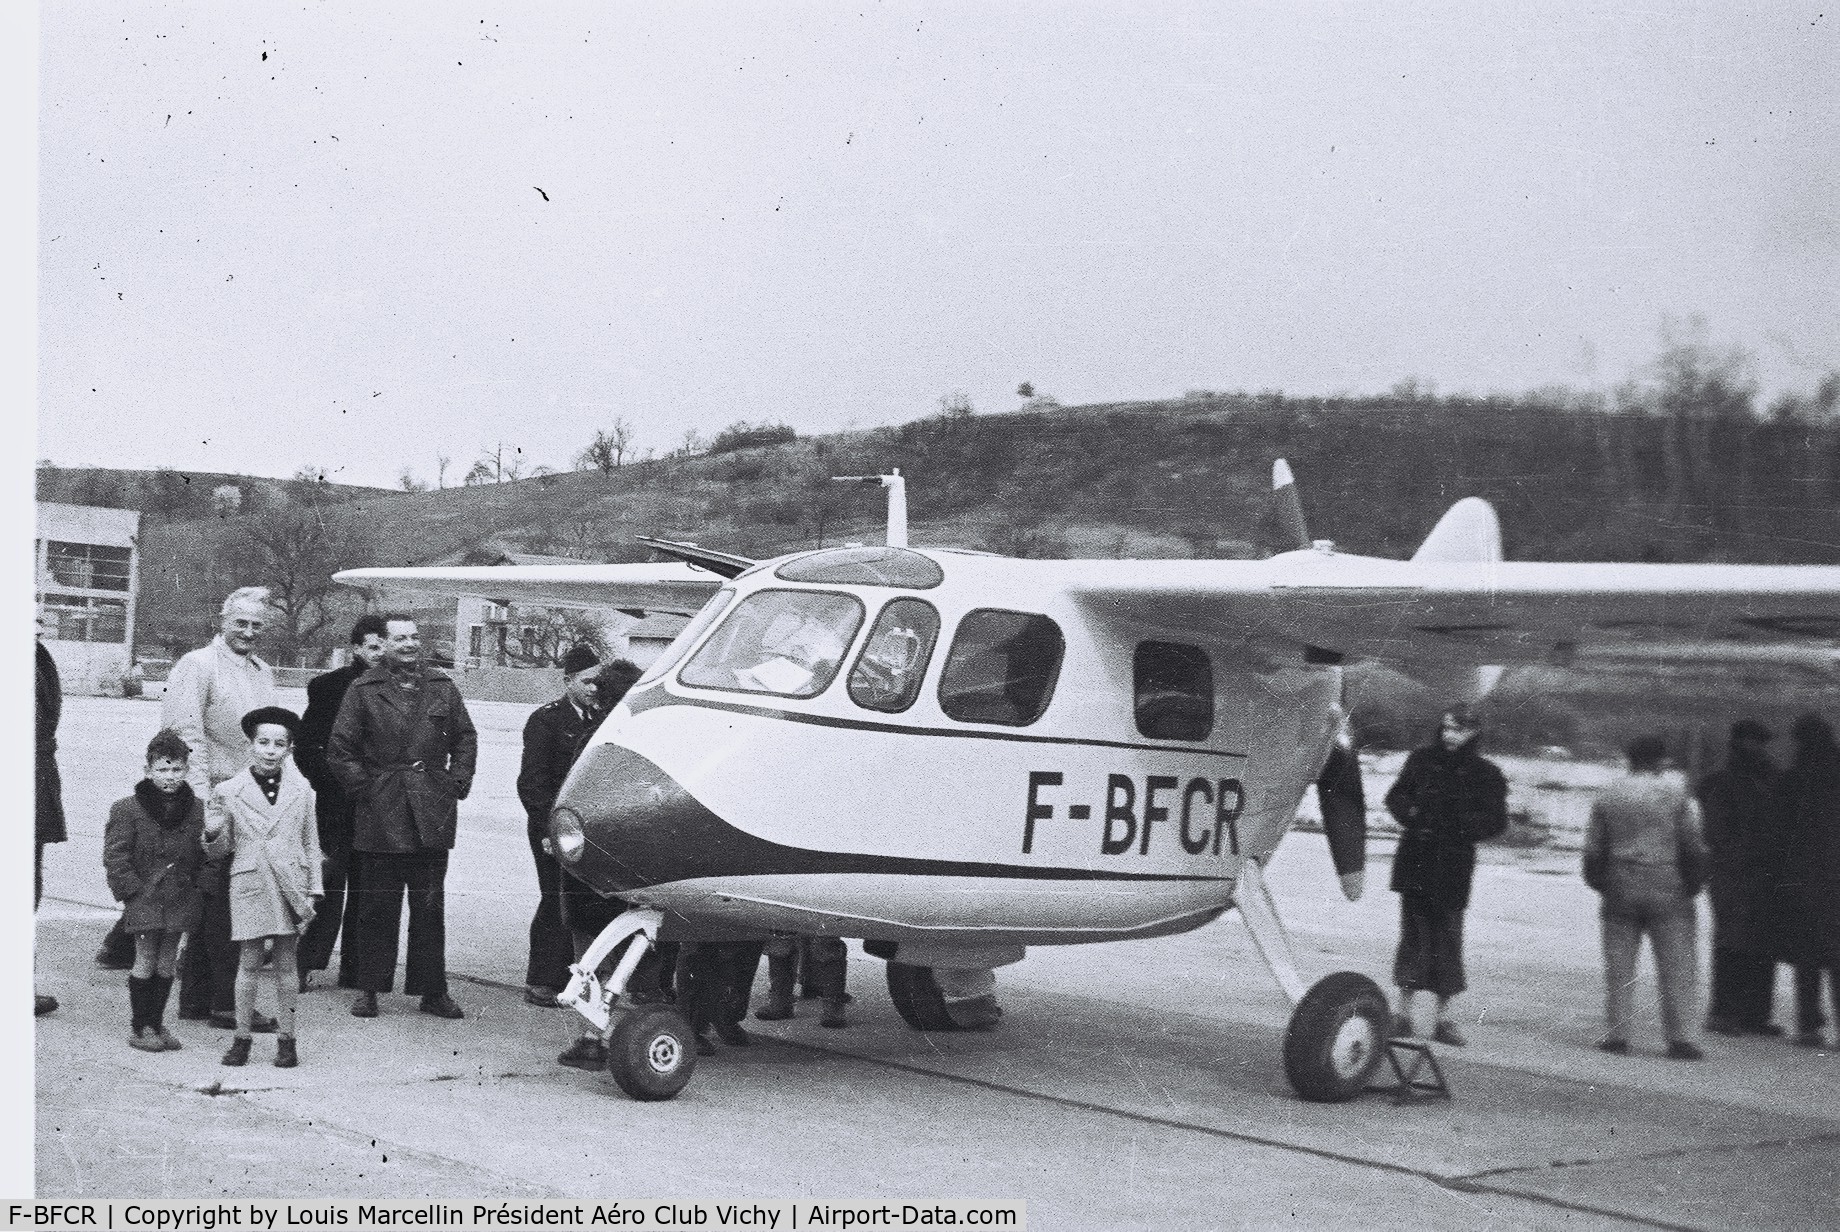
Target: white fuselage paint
{"x":824,"y":774}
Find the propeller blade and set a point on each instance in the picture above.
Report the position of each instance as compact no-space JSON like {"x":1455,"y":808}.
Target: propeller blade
{"x":1283,"y":528}
{"x":1344,"y":814}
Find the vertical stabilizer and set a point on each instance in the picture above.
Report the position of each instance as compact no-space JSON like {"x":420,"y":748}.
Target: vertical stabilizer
{"x":1468,"y":531}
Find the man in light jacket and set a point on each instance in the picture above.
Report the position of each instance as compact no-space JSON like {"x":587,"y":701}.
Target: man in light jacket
{"x":207,"y":694}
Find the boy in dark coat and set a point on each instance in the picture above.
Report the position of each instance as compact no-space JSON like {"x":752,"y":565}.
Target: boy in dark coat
{"x":1447,"y":798}
{"x":153,"y":851}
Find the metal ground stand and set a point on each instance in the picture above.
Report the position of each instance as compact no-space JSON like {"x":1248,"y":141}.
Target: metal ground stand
{"x":1416,"y":1078}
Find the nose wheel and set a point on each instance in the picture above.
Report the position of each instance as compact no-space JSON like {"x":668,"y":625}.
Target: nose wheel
{"x":1336,"y":1038}
{"x":652,"y":1053}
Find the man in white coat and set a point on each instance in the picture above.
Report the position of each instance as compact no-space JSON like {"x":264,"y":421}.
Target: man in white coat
{"x":207,"y":694}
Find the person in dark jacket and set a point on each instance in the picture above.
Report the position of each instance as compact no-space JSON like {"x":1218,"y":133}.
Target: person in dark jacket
{"x":1447,"y":798}
{"x":554,"y":736}
{"x":153,"y":852}
{"x":338,"y":912}
{"x":404,"y":749}
{"x":586,"y":913}
{"x":50,"y":787}
{"x":1809,"y":882}
{"x":1743,"y":823}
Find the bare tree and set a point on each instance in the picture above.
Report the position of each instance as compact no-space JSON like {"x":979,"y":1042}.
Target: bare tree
{"x":539,"y":637}
{"x":480,"y":472}
{"x":441,"y":463}
{"x":293,"y":544}
{"x":607,"y":451}
{"x":500,"y":462}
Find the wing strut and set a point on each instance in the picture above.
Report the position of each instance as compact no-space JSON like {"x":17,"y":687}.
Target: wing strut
{"x":1260,"y":914}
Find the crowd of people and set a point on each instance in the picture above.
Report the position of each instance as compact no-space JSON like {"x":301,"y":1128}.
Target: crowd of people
{"x":265,"y":840}
{"x":1766,"y":842}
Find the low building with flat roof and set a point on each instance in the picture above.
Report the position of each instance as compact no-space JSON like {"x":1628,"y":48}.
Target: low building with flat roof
{"x":87,"y":566}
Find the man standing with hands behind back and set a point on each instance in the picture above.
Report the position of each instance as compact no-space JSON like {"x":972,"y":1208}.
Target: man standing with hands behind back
{"x":553,"y":738}
{"x":338,"y":912}
{"x":404,"y":749}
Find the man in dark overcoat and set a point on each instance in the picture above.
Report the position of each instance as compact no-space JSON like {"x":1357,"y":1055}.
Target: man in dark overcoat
{"x":1808,"y":874}
{"x":1447,"y":798}
{"x":404,"y":749}
{"x":338,"y":912}
{"x":49,"y":820}
{"x":554,"y":737}
{"x":1744,"y":831}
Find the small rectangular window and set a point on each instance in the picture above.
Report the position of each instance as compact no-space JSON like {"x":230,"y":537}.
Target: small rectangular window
{"x":88,"y":566}
{"x":1002,"y":668}
{"x":1174,"y":687}
{"x":81,"y":618}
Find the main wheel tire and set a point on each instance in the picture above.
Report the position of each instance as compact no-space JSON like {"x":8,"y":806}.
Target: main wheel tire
{"x":652,"y":1053}
{"x":1336,"y":1038}
{"x":917,"y":998}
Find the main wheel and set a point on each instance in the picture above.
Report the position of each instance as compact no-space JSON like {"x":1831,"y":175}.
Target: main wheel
{"x":652,"y":1053}
{"x":917,"y":998}
{"x":1336,"y":1038}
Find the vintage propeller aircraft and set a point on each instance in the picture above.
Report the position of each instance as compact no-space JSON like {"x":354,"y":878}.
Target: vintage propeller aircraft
{"x":953,"y":756}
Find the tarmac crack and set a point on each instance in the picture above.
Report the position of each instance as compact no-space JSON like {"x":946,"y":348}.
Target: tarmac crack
{"x":1678,"y":1152}
{"x":1463,"y":1184}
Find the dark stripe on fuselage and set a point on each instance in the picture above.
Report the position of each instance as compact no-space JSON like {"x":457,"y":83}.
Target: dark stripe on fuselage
{"x":644,"y":829}
{"x":657,"y":697}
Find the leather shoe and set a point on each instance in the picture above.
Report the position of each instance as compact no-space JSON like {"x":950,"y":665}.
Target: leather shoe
{"x":1681,"y":1050}
{"x":585,"y":1053}
{"x":540,"y":995}
{"x":1446,"y":1033}
{"x":705,"y":1047}
{"x":260,"y":1024}
{"x":43,"y":1003}
{"x":733,"y":1034}
{"x":1613,"y":1046}
{"x":364,"y":1005}
{"x":109,"y":960}
{"x":442,"y":1006}
{"x":239,"y":1051}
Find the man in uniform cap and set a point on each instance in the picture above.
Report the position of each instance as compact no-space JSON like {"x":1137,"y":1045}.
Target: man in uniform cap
{"x":554,"y":737}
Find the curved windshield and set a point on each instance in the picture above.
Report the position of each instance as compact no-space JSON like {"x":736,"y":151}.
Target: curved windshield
{"x":888,"y":671}
{"x":785,"y":642}
{"x":686,"y":637}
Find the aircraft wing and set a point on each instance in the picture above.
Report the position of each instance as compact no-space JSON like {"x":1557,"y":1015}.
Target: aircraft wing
{"x":1456,"y":613}
{"x":670,"y":587}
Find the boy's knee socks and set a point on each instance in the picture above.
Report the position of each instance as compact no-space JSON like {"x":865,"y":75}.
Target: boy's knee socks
{"x":159,"y":991}
{"x":137,"y":1001}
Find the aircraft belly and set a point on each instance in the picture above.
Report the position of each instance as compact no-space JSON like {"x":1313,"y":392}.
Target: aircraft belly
{"x":986,"y":910}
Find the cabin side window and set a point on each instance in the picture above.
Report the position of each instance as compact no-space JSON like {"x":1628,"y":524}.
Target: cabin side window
{"x":1174,"y":690}
{"x":785,"y":642}
{"x":888,"y":671}
{"x":1002,"y":668}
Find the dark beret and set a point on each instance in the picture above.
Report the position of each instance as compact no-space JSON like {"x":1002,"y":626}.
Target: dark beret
{"x":579,"y":659}
{"x":280,"y":715}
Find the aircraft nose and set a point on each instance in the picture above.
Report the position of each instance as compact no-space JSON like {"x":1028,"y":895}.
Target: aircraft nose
{"x":622,"y":822}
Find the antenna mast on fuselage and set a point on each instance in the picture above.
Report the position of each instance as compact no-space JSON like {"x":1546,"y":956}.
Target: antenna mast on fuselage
{"x":897,"y":501}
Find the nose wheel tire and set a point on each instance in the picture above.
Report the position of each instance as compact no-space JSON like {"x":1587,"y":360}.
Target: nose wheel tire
{"x":917,"y":998}
{"x":652,"y":1053}
{"x":1336,"y":1038}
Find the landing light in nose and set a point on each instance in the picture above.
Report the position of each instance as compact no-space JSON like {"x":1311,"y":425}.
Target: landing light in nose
{"x":566,"y":835}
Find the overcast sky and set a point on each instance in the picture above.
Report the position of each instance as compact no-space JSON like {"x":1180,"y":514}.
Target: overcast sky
{"x":274,"y":236}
